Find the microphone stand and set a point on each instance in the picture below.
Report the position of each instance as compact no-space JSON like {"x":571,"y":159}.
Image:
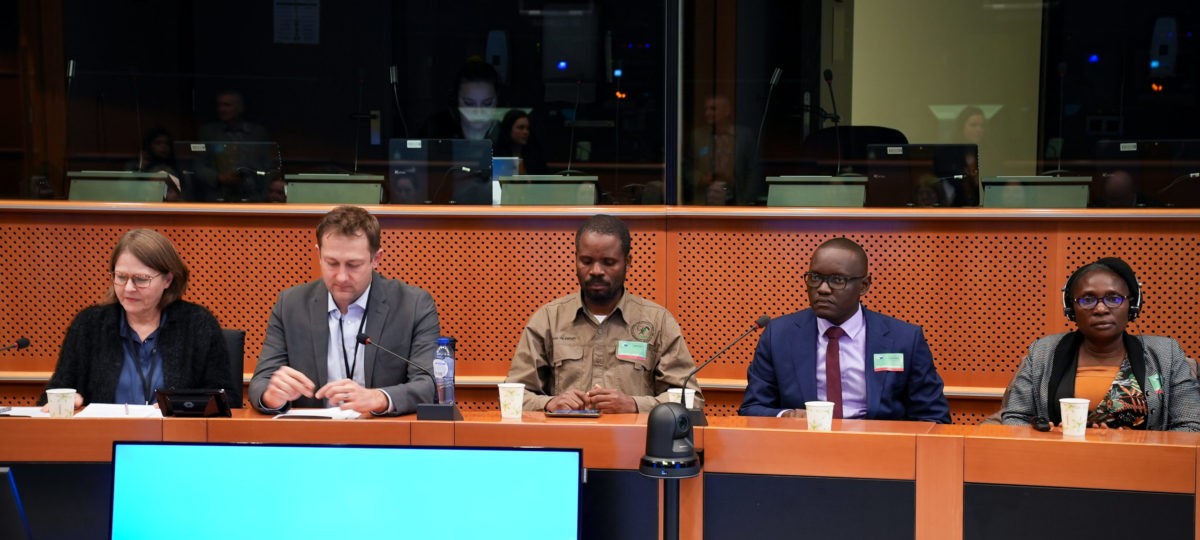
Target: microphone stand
{"x":697,"y":415}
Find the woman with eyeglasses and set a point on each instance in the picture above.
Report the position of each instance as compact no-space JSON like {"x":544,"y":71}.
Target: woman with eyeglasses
{"x":142,"y":336}
{"x":1130,"y":381}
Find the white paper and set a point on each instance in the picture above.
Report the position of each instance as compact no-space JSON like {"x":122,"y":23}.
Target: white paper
{"x":334,"y":413}
{"x":115,"y":410}
{"x":27,"y":411}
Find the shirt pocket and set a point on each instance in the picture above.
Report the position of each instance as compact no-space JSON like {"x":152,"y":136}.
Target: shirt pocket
{"x":634,"y":377}
{"x":566,"y":362}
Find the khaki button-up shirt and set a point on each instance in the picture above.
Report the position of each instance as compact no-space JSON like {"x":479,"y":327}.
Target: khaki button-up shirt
{"x":564,"y":347}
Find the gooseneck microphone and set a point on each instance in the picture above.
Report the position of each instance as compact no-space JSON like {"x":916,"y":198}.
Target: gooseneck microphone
{"x":574,"y":122}
{"x":837,"y":132}
{"x":759,"y":324}
{"x":17,"y":345}
{"x":775,"y":76}
{"x":366,"y":340}
{"x":394,"y":79}
{"x":1177,"y":180}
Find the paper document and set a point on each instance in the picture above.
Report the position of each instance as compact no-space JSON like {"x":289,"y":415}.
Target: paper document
{"x":27,"y":411}
{"x":116,"y":410}
{"x":334,"y":413}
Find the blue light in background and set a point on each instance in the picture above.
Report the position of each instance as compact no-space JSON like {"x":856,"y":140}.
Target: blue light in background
{"x":1154,"y":64}
{"x":617,"y":73}
{"x":562,"y":64}
{"x":1094,"y":58}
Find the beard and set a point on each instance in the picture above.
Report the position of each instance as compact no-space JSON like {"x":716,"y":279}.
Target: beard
{"x":603,"y":295}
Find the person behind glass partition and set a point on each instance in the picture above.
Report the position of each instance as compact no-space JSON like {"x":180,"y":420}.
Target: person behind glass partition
{"x":721,"y":158}
{"x":235,"y":172}
{"x":971,"y":125}
{"x":1130,"y":381}
{"x":472,"y":115}
{"x":158,"y":155}
{"x":514,"y":139}
{"x":142,"y":336}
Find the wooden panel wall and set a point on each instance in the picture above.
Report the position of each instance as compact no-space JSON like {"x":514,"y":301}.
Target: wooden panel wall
{"x":982,"y":284}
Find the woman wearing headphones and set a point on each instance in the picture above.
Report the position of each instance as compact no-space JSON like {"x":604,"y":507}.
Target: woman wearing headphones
{"x":1134,"y":382}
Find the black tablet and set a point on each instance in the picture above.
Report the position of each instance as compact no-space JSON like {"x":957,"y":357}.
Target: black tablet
{"x":197,"y":402}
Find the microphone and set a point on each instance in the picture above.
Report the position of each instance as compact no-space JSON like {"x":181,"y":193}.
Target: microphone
{"x":759,"y":324}
{"x":18,"y":345}
{"x":70,"y":71}
{"x":425,"y":411}
{"x":574,"y":121}
{"x":364,"y":339}
{"x":1177,"y":180}
{"x":837,"y":133}
{"x":394,"y":79}
{"x":775,"y":76}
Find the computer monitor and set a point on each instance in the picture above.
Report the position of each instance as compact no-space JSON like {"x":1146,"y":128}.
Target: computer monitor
{"x":1146,"y":173}
{"x":229,"y":171}
{"x":13,"y":522}
{"x":922,"y":175}
{"x":439,"y":171}
{"x":205,"y":491}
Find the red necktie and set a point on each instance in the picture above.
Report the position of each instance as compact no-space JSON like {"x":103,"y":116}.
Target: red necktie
{"x":833,"y":369}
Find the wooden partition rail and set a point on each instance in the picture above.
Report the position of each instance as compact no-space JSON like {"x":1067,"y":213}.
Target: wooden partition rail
{"x":982,"y":283}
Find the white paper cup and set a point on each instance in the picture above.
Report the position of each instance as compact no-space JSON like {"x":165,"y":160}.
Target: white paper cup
{"x":62,"y":402}
{"x":511,"y":397}
{"x":1074,"y":416}
{"x":819,"y":414}
{"x":676,"y":395}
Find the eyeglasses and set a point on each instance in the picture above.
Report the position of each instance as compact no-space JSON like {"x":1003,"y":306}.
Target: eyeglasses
{"x":837,"y":283}
{"x":1113,"y":301}
{"x":139,"y":281}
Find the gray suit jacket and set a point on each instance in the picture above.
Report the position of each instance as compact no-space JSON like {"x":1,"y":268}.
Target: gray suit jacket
{"x":1176,"y":408}
{"x":402,"y":318}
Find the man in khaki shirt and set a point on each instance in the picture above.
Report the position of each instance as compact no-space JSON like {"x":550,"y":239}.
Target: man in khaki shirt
{"x":601,"y":348}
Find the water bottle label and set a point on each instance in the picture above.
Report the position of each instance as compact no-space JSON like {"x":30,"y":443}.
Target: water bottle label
{"x":440,"y":368}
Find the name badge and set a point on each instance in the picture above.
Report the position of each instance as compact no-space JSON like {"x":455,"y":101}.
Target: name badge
{"x":1155,"y":383}
{"x":631,"y":350}
{"x":889,"y":362}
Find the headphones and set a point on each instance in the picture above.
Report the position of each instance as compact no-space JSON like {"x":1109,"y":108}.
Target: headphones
{"x":1069,"y":305}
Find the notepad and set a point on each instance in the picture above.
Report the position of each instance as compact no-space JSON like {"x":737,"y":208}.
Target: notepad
{"x":332,"y":413}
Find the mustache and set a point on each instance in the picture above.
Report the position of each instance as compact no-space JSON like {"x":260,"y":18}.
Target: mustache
{"x":597,"y":281}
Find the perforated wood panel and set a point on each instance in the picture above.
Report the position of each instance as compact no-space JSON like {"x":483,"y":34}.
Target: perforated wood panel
{"x":982,"y":290}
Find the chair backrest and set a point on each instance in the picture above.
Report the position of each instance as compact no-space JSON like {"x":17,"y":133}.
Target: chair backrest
{"x":235,"y":343}
{"x":821,"y":146}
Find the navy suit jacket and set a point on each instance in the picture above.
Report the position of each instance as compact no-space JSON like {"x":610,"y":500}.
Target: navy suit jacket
{"x":783,"y":374}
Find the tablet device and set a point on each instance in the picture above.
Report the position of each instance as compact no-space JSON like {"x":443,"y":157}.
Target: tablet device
{"x":574,"y":413}
{"x":196,"y":402}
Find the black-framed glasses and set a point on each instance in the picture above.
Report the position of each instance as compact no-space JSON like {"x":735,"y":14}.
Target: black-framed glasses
{"x":139,"y":280}
{"x":837,"y":283}
{"x":1113,"y":301}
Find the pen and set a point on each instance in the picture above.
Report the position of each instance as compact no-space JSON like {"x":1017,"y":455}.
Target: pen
{"x":126,"y":409}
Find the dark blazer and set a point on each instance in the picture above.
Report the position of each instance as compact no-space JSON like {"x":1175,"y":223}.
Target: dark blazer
{"x":401,"y":317}
{"x":92,"y":354}
{"x":783,"y":374}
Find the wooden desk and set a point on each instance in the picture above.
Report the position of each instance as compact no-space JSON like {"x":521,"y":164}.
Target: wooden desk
{"x":916,"y":480}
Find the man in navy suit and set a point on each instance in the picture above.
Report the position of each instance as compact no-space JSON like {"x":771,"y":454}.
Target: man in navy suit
{"x":869,"y":365}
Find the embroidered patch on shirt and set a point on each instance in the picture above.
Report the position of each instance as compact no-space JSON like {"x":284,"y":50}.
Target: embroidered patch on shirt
{"x":642,"y":331}
{"x":631,"y":350}
{"x":889,"y":362}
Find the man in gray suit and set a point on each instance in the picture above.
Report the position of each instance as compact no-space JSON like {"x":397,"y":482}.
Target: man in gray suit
{"x":311,"y":356}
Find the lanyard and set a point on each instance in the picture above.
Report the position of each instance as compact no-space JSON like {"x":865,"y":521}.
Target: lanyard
{"x":346,"y":359}
{"x":147,"y":381}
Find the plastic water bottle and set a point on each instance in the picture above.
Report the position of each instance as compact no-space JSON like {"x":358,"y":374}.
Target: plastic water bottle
{"x":443,"y":370}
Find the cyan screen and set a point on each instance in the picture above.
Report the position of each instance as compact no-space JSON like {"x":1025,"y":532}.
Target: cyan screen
{"x":182,"y":491}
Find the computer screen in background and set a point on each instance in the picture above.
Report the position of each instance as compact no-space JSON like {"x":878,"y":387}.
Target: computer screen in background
{"x":923,"y":175}
{"x":439,"y":171}
{"x":206,"y":491}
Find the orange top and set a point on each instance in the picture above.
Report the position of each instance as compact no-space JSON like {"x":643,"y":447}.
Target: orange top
{"x":1093,"y":382}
